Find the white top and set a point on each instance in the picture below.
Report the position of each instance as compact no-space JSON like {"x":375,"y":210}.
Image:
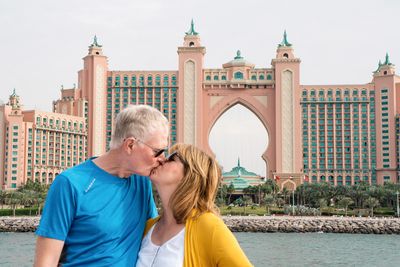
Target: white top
{"x":169,"y":254}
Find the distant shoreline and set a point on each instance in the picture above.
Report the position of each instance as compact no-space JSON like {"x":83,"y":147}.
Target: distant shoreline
{"x":269,"y":224}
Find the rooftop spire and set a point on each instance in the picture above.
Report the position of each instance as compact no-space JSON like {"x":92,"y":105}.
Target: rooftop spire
{"x":387,"y":61}
{"x":238,"y":55}
{"x":191,"y":30}
{"x":238,"y":164}
{"x":14,"y":100}
{"x":379,"y":66}
{"x":14,"y":93}
{"x":95,"y":43}
{"x":284,"y":41}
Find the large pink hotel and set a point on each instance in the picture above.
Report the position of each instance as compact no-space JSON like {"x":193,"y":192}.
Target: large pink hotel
{"x":341,"y":134}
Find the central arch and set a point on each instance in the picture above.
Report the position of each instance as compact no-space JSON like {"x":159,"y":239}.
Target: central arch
{"x":261,"y":105}
{"x":239,"y":136}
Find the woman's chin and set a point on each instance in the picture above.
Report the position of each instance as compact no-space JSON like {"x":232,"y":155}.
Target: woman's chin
{"x":153,"y":174}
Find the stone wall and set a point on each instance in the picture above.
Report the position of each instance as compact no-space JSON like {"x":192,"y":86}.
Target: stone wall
{"x":271,"y":224}
{"x":19,"y":224}
{"x":294,"y":224}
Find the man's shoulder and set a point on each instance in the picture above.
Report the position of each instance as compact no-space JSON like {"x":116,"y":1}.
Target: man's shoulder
{"x":78,"y":174}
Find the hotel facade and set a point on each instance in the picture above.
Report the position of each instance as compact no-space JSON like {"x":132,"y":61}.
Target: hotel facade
{"x":340,"y":134}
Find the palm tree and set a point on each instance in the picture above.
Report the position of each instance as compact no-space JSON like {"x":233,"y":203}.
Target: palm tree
{"x":3,"y":195}
{"x":372,"y":203}
{"x":322,"y":203}
{"x":28,"y":199}
{"x":222,"y":193}
{"x":268,"y":200}
{"x":229,"y":191}
{"x":40,"y":197}
{"x":280,"y":202}
{"x":345,"y":202}
{"x":247,"y":200}
{"x":13,"y":199}
{"x":285,"y":192}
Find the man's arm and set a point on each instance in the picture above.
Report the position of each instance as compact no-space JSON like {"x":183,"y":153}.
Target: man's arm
{"x":48,"y":252}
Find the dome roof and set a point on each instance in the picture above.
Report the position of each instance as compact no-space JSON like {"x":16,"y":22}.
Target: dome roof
{"x":238,"y":61}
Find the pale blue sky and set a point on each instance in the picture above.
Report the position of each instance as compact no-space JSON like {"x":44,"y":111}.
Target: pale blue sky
{"x":43,"y":42}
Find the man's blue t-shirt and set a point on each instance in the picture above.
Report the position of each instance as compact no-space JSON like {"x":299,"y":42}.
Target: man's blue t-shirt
{"x":100,"y":217}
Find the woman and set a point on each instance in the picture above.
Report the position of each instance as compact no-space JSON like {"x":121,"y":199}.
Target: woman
{"x":189,"y":232}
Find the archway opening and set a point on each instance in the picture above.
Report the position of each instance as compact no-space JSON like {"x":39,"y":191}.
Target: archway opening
{"x":239,"y":134}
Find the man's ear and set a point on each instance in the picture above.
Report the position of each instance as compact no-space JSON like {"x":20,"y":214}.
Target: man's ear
{"x":128,"y":145}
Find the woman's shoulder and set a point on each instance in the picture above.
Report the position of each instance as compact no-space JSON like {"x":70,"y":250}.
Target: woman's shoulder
{"x":209,"y":220}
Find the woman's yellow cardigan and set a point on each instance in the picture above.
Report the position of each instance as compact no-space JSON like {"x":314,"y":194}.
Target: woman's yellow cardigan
{"x":208,"y":243}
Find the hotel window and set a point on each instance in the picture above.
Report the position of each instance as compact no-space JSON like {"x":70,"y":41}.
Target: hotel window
{"x":261,"y":77}
{"x":216,"y":78}
{"x":165,"y":80}
{"x":254,"y":77}
{"x":269,"y":77}
{"x":223,"y":78}
{"x":238,"y":75}
{"x":208,"y":78}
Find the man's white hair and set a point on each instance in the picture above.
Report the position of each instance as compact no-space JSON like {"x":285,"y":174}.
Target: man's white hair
{"x":139,"y":121}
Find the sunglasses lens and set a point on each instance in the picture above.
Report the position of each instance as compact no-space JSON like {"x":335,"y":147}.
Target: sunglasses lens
{"x":159,"y":152}
{"x":171,"y":156}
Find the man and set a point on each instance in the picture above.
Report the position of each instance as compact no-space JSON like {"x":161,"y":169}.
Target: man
{"x":95,"y":212}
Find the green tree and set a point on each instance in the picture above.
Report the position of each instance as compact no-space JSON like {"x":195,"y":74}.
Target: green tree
{"x":222,"y":195}
{"x":372,"y":203}
{"x":268,"y":200}
{"x":229,"y":191}
{"x":280,"y":202}
{"x":285,"y":193}
{"x":3,"y":196}
{"x":13,"y":199}
{"x":28,"y":199}
{"x":322,"y":203}
{"x":247,"y":200}
{"x":345,"y":202}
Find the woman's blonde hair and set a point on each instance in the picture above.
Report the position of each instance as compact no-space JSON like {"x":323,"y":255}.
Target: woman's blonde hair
{"x":198,"y":188}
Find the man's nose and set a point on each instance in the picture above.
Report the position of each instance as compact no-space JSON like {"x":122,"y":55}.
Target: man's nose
{"x":161,"y":159}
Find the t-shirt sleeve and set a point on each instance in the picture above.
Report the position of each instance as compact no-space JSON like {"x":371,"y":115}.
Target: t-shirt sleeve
{"x":226,"y":248}
{"x":152,"y":211}
{"x":59,"y":210}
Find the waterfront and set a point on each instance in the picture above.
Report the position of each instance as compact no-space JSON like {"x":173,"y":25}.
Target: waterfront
{"x":265,"y":249}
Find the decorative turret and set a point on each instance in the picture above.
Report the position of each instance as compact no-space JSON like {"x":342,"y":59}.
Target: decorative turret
{"x":14,"y":101}
{"x":192,"y":38}
{"x":387,"y":61}
{"x":379,"y":66}
{"x":385,"y":68}
{"x":95,"y":43}
{"x":285,"y":49}
{"x":284,"y":41}
{"x":238,"y":55}
{"x":238,"y":61}
{"x":95,"y":48}
{"x":191,"y":30}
